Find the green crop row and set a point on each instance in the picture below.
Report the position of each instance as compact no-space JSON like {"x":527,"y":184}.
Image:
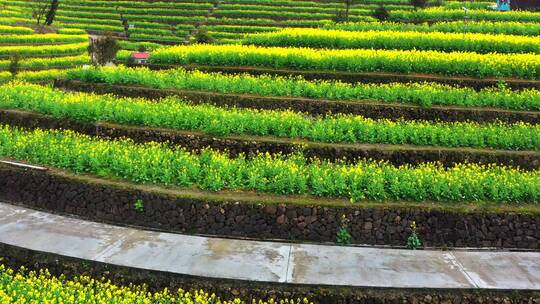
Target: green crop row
{"x":282,"y":14}
{"x":133,"y":17}
{"x":114,"y":13}
{"x":141,"y":5}
{"x":322,"y":4}
{"x":469,"y":5}
{"x":34,"y":76}
{"x":272,"y":22}
{"x":175,"y":113}
{"x":12,"y":13}
{"x":19,"y":30}
{"x":226,"y":35}
{"x":8,"y":20}
{"x":226,"y":41}
{"x":133,"y":46}
{"x":161,"y":32}
{"x":33,"y":287}
{"x":157,"y":38}
{"x":240,"y":28}
{"x":105,"y":22}
{"x":71,"y":31}
{"x":191,"y":4}
{"x":117,"y":24}
{"x":42,"y":39}
{"x":152,"y":31}
{"x":446,"y":42}
{"x":44,"y":50}
{"x":295,"y":3}
{"x":117,"y":6}
{"x":94,"y":27}
{"x":148,"y":10}
{"x":158,"y":33}
{"x":526,"y":66}
{"x":422,"y":94}
{"x":44,"y":63}
{"x":148,"y":19}
{"x":485,"y":27}
{"x":209,"y":170}
{"x":442,"y":14}
{"x":361,"y":10}
{"x":429,"y":3}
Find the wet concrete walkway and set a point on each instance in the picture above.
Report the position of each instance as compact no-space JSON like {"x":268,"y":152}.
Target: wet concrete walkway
{"x":267,"y":261}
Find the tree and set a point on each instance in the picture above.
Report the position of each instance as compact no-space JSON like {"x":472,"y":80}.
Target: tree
{"x":39,"y":9}
{"x":52,"y":12}
{"x":347,"y":4}
{"x":123,"y":20}
{"x":43,"y":10}
{"x":381,"y":13}
{"x":103,"y":49}
{"x":343,"y":15}
{"x":125,"y":24}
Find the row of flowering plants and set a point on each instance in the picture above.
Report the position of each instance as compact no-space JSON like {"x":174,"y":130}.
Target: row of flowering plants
{"x":525,"y":66}
{"x":37,"y":287}
{"x":400,"y":40}
{"x":155,"y":163}
{"x":174,"y":113}
{"x":422,"y":94}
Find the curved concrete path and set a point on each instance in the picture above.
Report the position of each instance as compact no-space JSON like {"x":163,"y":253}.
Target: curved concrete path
{"x":267,"y":261}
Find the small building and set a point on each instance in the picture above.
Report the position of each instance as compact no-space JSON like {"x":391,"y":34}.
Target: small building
{"x":503,"y":5}
{"x":140,"y":57}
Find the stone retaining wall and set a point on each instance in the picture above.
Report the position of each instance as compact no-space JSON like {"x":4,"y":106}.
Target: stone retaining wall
{"x":209,"y":214}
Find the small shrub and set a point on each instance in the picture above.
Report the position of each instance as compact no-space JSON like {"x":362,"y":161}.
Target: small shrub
{"x":130,"y":61}
{"x":103,"y":49}
{"x":413,"y":241}
{"x":343,"y":236}
{"x":203,"y":36}
{"x":139,"y":206}
{"x":381,"y":13}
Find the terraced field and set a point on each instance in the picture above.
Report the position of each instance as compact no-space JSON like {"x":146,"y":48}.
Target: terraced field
{"x":288,"y":125}
{"x":226,"y":21}
{"x":40,"y":56}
